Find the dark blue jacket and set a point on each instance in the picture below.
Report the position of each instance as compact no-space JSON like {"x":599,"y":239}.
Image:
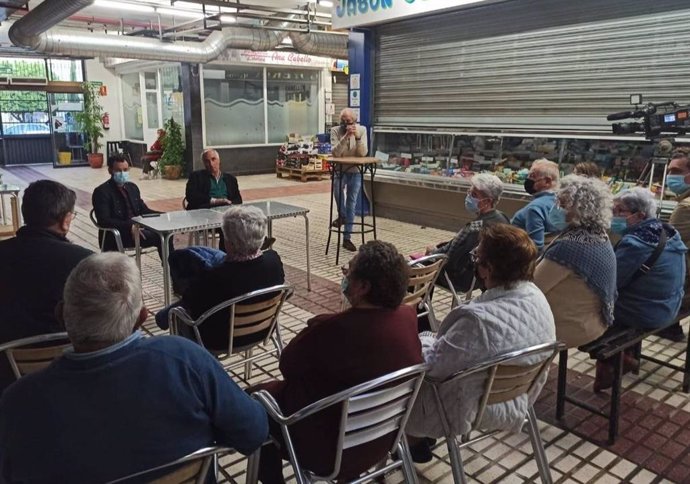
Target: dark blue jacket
{"x":652,"y":300}
{"x":90,"y":418}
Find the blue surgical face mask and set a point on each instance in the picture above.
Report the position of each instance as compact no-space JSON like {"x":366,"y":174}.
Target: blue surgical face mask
{"x":472,"y":204}
{"x":121,"y":177}
{"x":344,"y":283}
{"x":676,"y":183}
{"x":557,"y":218}
{"x":619,"y":225}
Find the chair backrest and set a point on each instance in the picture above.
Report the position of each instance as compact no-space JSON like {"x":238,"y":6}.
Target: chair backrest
{"x":34,"y":353}
{"x":423,"y":274}
{"x":191,"y":469}
{"x":247,"y":316}
{"x":185,"y":204}
{"x":507,"y":377}
{"x":370,"y":410}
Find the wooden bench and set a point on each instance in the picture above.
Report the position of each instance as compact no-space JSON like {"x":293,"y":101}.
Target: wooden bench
{"x":612,"y":345}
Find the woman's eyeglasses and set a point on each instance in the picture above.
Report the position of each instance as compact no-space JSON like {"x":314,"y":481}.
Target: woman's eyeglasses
{"x":474,"y":256}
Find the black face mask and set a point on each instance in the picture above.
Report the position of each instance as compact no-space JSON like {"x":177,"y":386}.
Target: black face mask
{"x":344,"y":125}
{"x":529,"y":186}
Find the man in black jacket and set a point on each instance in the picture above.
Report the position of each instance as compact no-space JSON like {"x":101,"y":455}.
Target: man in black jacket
{"x":210,"y":187}
{"x":35,"y":265}
{"x":115,"y":202}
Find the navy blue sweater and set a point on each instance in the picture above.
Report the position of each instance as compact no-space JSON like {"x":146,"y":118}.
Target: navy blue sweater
{"x":144,"y":402}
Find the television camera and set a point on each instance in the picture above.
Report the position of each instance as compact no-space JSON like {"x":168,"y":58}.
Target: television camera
{"x":657,"y":119}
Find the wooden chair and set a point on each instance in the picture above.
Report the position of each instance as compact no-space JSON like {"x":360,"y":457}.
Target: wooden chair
{"x":506,"y":379}
{"x":369,"y":411}
{"x":423,"y":274}
{"x":255,"y":313}
{"x":34,"y":353}
{"x":193,"y":468}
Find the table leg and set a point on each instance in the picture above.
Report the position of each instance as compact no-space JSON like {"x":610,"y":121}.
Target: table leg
{"x":270,"y":228}
{"x":340,"y":207}
{"x":306,"y":231}
{"x":2,"y":209}
{"x":330,"y":212}
{"x":372,"y":203}
{"x":165,"y":239}
{"x":137,"y":248}
{"x":362,"y":170}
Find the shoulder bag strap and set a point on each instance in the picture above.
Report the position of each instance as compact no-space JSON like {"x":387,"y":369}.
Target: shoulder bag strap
{"x":649,"y":263}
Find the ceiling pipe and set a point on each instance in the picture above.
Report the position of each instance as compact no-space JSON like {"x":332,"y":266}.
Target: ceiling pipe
{"x":26,"y":31}
{"x":321,"y":43}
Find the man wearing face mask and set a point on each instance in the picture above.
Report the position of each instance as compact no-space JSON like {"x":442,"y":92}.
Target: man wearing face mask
{"x":678,"y":181}
{"x":115,"y":202}
{"x":533,"y":218}
{"x":348,"y":139}
{"x":482,"y":198}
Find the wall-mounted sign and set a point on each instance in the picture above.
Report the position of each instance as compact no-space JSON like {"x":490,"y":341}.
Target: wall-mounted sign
{"x":355,"y":13}
{"x":354,"y":98}
{"x":354,"y":81}
{"x":276,"y":58}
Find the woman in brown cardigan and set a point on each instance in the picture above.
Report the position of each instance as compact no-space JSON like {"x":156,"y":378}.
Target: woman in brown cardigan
{"x":374,"y":337}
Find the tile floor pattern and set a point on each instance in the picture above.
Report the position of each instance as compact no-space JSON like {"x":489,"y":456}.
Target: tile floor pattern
{"x":654,"y":445}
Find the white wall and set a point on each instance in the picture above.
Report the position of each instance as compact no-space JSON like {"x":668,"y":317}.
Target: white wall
{"x":96,"y":71}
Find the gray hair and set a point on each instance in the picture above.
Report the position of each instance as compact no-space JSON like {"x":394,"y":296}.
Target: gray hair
{"x":545,"y":167}
{"x":488,"y":184}
{"x":208,"y":150}
{"x":102,"y":299}
{"x":638,"y":199}
{"x":244,"y":228}
{"x":588,"y":201}
{"x":350,"y":112}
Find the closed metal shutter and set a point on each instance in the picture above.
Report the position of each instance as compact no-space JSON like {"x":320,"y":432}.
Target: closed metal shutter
{"x":522,"y":64}
{"x":340,"y":94}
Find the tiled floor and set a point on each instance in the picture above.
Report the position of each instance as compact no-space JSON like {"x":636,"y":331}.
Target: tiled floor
{"x":654,"y":442}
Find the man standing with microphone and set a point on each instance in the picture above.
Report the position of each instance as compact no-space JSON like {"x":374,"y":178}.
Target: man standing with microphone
{"x":348,"y":139}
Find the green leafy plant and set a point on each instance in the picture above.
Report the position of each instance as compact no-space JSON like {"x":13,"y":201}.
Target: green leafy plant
{"x":173,"y":146}
{"x":89,"y":119}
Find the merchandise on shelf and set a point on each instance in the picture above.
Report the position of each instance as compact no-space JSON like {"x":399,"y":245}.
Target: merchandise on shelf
{"x":303,"y":153}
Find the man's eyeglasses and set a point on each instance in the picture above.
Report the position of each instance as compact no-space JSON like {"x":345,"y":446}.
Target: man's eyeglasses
{"x":474,"y":256}
{"x":74,"y":215}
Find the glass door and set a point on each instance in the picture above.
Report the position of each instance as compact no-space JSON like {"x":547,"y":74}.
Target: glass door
{"x":68,"y":140}
{"x":25,"y":128}
{"x":152,"y":114}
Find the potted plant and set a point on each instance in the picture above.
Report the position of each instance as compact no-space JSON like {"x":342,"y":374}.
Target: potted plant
{"x":172,"y":159}
{"x":90,"y":122}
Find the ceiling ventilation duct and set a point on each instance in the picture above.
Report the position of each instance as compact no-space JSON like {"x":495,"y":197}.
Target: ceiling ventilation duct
{"x":321,"y":43}
{"x":35,"y":31}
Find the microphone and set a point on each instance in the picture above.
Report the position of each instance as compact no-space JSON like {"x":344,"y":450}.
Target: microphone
{"x":622,"y":115}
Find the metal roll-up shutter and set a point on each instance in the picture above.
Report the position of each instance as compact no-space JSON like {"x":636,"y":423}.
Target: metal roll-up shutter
{"x":340,"y":93}
{"x":507,"y":65}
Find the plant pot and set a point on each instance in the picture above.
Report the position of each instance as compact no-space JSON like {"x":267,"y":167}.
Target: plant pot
{"x":95,"y":160}
{"x":172,"y":172}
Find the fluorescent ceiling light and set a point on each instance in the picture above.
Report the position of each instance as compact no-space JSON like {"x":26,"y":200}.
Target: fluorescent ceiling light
{"x":326,"y":3}
{"x":227,"y":19}
{"x":179,"y":13}
{"x":287,"y":41}
{"x":132,"y":7}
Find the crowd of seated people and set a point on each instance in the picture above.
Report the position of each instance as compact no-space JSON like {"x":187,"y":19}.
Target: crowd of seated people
{"x":119,"y":382}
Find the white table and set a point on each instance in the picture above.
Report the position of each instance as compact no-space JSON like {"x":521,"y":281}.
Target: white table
{"x":277,"y":210}
{"x":168,"y":224}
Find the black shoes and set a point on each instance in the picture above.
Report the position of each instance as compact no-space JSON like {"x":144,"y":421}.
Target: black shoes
{"x":421,"y":451}
{"x":348,"y":245}
{"x":338,"y":222}
{"x":674,"y":333}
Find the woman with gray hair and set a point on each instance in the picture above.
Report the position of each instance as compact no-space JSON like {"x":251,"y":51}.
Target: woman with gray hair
{"x":577,"y":271}
{"x":245,"y":268}
{"x":481,"y":200}
{"x":647,"y":298}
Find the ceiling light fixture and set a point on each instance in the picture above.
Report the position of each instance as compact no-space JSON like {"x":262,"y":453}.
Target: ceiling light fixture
{"x":132,"y":7}
{"x":227,"y":19}
{"x":326,"y":3}
{"x":179,"y":13}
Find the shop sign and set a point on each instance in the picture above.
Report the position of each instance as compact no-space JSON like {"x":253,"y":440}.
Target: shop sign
{"x":355,"y":13}
{"x":276,"y":58}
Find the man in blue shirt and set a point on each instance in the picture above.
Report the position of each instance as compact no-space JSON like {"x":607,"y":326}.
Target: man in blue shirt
{"x":119,"y":403}
{"x":541,"y":182}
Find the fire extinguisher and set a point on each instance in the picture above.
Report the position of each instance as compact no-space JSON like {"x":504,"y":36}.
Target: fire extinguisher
{"x":105,"y":120}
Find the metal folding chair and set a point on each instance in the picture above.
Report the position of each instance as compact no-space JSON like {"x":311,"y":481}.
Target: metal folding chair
{"x":34,"y":353}
{"x":192,"y":468}
{"x":130,"y":251}
{"x":247,"y":317}
{"x":369,"y":411}
{"x":423,"y":274}
{"x":506,"y":379}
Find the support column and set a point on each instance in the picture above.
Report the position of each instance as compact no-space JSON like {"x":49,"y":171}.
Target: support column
{"x":193,"y":104}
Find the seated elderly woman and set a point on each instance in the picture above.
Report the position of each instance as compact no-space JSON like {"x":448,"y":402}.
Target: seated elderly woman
{"x":482,"y":198}
{"x":646,"y":299}
{"x":577,"y":272}
{"x":338,"y":351}
{"x":512,"y":314}
{"x":245,"y":268}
